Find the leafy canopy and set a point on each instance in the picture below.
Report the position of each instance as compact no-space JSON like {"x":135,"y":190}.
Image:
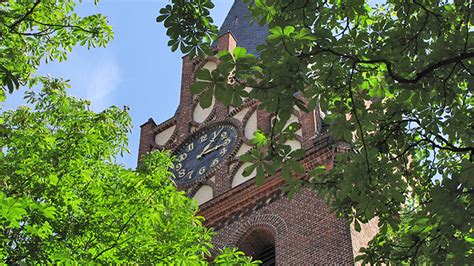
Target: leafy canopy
{"x":393,"y":80}
{"x":36,"y":31}
{"x":64,"y":199}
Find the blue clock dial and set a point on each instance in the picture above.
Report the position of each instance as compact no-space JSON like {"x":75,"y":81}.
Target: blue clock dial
{"x":203,"y":152}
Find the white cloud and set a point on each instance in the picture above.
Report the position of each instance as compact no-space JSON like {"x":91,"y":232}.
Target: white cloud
{"x":100,"y":81}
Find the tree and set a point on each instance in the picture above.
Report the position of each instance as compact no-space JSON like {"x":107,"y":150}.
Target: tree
{"x":32,"y":31}
{"x":64,"y":199}
{"x":394,"y":80}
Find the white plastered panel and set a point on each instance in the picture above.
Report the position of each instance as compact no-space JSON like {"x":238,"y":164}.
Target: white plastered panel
{"x":204,"y":194}
{"x":163,"y":137}
{"x":200,"y":114}
{"x":240,"y":115}
{"x":239,"y":178}
{"x":294,"y":144}
{"x":251,"y":125}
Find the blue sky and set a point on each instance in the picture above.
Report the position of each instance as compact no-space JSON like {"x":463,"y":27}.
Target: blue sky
{"x":136,"y":69}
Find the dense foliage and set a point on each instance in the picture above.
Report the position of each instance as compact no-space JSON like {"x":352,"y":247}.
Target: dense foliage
{"x":36,"y":31}
{"x":63,"y":199}
{"x":394,"y":80}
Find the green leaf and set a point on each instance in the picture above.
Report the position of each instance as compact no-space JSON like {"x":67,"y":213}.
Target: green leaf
{"x":249,"y":170}
{"x":288,"y":30}
{"x":357,"y":225}
{"x":239,"y":52}
{"x":205,"y":100}
{"x":49,"y":212}
{"x":2,"y":96}
{"x":204,"y":74}
{"x":260,"y":176}
{"x":198,"y":87}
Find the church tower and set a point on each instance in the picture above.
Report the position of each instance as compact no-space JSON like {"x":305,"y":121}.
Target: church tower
{"x":259,"y":220}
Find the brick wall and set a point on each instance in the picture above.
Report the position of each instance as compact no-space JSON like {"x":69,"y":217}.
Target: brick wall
{"x":227,"y":42}
{"x":147,"y":138}
{"x":305,"y":230}
{"x":185,"y":110}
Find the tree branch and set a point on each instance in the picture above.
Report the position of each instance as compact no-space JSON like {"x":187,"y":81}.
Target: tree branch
{"x":16,"y":23}
{"x":427,"y":70}
{"x":430,"y":68}
{"x":63,"y":26}
{"x":354,"y":110}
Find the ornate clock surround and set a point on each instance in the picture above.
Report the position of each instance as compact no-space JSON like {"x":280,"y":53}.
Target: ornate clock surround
{"x":228,"y":158}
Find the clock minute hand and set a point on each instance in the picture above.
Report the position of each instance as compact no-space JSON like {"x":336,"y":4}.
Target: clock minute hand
{"x":204,"y":151}
{"x":212,"y":149}
{"x":213,"y":139}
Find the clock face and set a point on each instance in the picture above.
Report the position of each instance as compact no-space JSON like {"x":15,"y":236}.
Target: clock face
{"x":202,"y":152}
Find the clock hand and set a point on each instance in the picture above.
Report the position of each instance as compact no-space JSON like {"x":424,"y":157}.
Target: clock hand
{"x":204,"y":151}
{"x":213,"y":149}
{"x":213,"y":139}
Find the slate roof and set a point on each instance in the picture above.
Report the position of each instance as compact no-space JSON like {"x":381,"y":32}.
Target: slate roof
{"x":248,"y":34}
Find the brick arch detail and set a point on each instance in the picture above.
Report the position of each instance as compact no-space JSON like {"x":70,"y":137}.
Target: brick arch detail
{"x":272,"y":222}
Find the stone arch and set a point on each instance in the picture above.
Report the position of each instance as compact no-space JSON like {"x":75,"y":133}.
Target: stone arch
{"x":271,"y":222}
{"x":260,"y":243}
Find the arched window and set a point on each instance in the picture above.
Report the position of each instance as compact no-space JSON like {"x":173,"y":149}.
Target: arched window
{"x":260,"y":244}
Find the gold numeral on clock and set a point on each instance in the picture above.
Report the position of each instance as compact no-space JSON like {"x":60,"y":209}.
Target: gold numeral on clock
{"x":190,"y":173}
{"x":178,"y":166}
{"x":224,"y":135}
{"x":202,"y":170}
{"x":203,"y":137}
{"x":181,"y":157}
{"x":181,"y":173}
{"x":215,"y":162}
{"x":191,"y":146}
{"x":227,"y":141}
{"x":223,"y":151}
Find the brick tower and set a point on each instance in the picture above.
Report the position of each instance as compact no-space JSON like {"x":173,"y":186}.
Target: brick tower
{"x":260,"y":220}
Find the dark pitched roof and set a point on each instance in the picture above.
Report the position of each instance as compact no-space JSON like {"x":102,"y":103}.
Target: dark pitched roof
{"x":248,"y":34}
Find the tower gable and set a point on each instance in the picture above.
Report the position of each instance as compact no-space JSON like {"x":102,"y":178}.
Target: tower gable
{"x":247,"y":33}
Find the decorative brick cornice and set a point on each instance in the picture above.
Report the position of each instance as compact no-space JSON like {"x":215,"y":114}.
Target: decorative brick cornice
{"x":221,"y":209}
{"x":164,"y":125}
{"x":247,"y":103}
